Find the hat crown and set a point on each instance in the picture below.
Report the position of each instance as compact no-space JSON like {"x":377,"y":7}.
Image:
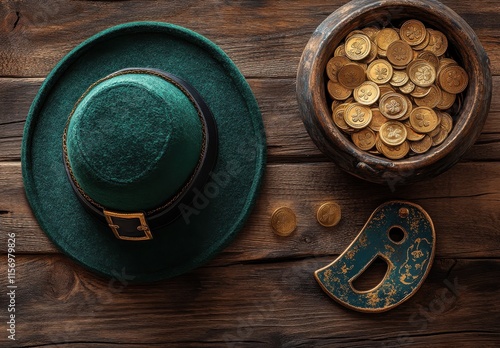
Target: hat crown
{"x":133,"y":141}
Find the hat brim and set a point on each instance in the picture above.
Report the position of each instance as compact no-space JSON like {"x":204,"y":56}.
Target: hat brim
{"x":218,"y":213}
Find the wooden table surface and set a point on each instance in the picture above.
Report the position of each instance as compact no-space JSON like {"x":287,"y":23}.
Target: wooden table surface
{"x":260,"y":291}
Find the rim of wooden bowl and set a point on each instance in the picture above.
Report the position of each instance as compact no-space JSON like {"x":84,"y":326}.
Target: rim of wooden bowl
{"x":316,"y":114}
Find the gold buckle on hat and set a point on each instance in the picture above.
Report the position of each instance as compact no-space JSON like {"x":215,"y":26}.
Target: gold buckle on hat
{"x":142,"y":226}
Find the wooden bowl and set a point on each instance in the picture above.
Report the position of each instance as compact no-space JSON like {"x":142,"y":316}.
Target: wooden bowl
{"x":464,"y":47}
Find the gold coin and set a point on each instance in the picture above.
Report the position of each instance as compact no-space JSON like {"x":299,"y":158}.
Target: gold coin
{"x":438,"y":43}
{"x":432,"y":99}
{"x":364,"y":139}
{"x":400,"y":68}
{"x":367,"y":94}
{"x":395,"y":152}
{"x":384,"y":89}
{"x":378,"y":143}
{"x":399,"y":78}
{"x":351,"y":75}
{"x":380,"y":71}
{"x":424,"y":119}
{"x":429,"y":57}
{"x":337,"y":91}
{"x":421,"y":73}
{"x":444,"y":62}
{"x":377,"y":120}
{"x":424,"y":43}
{"x":328,"y":214}
{"x":372,"y":55}
{"x":438,"y":128}
{"x":371,"y":32}
{"x":411,"y":82}
{"x":335,"y":103}
{"x":357,"y":46}
{"x":439,"y":138}
{"x":338,"y":117}
{"x":446,"y":121}
{"x":381,"y":53}
{"x":350,"y":131}
{"x":399,"y":53}
{"x":354,"y":32}
{"x":453,"y":79}
{"x":333,"y":66}
{"x":283,"y":221}
{"x":393,"y":133}
{"x":358,"y":116}
{"x":340,"y":51}
{"x":408,"y":88}
{"x":410,"y":109}
{"x":393,"y":105}
{"x":385,"y":37}
{"x":411,"y":134}
{"x":420,"y":92}
{"x":447,"y":100}
{"x":421,"y":146}
{"x":434,"y":132}
{"x":413,"y":32}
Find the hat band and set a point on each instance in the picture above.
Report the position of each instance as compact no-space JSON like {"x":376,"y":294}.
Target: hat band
{"x":137,"y":226}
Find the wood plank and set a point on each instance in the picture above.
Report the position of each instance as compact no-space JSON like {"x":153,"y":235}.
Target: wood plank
{"x":37,"y":34}
{"x":259,"y":292}
{"x":247,"y":305}
{"x":464,"y":204}
{"x":286,"y":134}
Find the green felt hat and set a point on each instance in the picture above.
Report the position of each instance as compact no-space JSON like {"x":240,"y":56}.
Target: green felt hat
{"x":143,"y":151}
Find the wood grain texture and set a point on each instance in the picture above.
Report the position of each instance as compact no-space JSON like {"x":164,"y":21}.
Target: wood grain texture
{"x":260,"y":291}
{"x":213,"y":307}
{"x":36,"y":34}
{"x":458,"y":210}
{"x":287,"y":138}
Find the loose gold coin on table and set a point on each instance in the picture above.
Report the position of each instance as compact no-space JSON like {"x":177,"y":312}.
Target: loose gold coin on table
{"x":393,"y":89}
{"x":328,"y":214}
{"x":283,"y":221}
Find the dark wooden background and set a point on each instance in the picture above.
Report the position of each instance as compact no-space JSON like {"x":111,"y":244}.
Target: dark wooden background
{"x":259,"y":292}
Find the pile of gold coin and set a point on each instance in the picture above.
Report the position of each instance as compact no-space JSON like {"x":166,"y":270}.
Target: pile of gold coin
{"x":393,"y":89}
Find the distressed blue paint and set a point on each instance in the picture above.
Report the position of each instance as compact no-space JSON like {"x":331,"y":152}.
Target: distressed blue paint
{"x":409,"y":260}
